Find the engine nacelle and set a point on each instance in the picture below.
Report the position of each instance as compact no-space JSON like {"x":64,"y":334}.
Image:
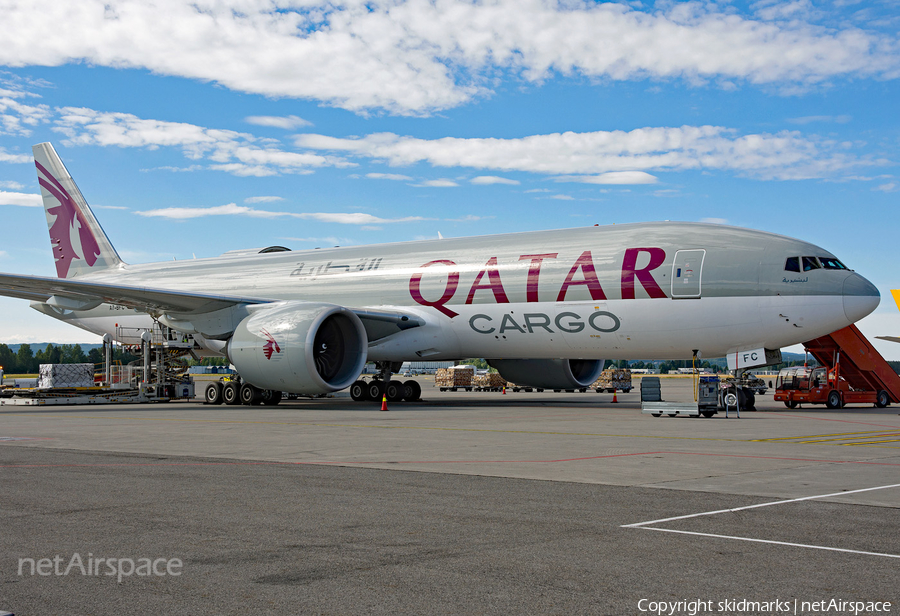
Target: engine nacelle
{"x":299,"y":347}
{"x":549,"y":373}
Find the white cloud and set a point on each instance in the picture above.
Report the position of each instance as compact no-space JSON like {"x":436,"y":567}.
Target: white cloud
{"x":493,"y":179}
{"x":438,"y":183}
{"x":286,"y":122}
{"x":263,"y":199}
{"x":611,"y":177}
{"x":240,"y":154}
{"x":232,"y":209}
{"x":782,"y":155}
{"x":889,"y":187}
{"x":562,"y":197}
{"x":12,"y":185}
{"x":418,"y":56}
{"x":14,"y":158}
{"x":389,"y":176}
{"x":109,"y":207}
{"x":18,"y":118}
{"x":22,"y":199}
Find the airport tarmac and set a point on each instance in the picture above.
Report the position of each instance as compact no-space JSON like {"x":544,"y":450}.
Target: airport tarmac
{"x":462,"y":503}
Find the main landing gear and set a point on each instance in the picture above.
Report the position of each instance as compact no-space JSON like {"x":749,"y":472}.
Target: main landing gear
{"x":383,"y":386}
{"x":233,"y":393}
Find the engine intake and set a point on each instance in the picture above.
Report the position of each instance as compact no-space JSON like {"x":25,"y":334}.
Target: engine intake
{"x":549,"y":373}
{"x":299,"y":347}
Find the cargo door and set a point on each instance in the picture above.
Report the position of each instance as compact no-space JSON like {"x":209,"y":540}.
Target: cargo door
{"x":686,"y":273}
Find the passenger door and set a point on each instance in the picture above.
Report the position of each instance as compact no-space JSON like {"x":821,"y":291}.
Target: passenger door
{"x":687,"y":270}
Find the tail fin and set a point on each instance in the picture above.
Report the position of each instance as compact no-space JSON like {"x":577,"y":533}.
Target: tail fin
{"x":78,"y":241}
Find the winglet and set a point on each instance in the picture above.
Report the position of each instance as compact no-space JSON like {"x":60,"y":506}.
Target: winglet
{"x":896,"y":294}
{"x":77,"y":239}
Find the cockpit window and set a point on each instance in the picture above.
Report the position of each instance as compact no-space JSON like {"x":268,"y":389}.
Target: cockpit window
{"x":810,"y":263}
{"x":832,"y":263}
{"x":792,"y":264}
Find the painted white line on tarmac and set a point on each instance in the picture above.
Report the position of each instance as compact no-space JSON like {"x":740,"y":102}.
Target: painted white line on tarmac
{"x":648,"y":525}
{"x":795,"y":545}
{"x":781,"y":502}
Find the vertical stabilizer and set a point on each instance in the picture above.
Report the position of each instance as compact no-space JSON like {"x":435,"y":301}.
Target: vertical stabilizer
{"x":78,"y":241}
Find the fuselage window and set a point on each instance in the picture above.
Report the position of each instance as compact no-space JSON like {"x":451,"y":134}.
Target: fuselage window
{"x":832,"y":263}
{"x":792,"y":264}
{"x":810,"y":263}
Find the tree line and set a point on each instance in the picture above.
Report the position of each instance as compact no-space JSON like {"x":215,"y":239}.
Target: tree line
{"x":26,"y":360}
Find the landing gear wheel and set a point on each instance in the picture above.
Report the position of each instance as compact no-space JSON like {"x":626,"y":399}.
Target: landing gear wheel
{"x":834,"y":400}
{"x":358,"y":391}
{"x":749,"y":400}
{"x":231,"y":394}
{"x":882,"y":399}
{"x":707,"y":413}
{"x":394,"y":391}
{"x":375,"y":390}
{"x":213,"y":394}
{"x":412,"y":391}
{"x":791,"y":404}
{"x":250,"y":395}
{"x":271,"y":397}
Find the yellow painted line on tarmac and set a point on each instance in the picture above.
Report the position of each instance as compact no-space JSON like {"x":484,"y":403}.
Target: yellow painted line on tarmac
{"x":813,"y":436}
{"x":844,"y":438}
{"x":873,"y":443}
{"x":334,"y":425}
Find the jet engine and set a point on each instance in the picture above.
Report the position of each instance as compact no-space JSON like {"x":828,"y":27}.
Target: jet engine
{"x":549,"y":373}
{"x":299,"y":347}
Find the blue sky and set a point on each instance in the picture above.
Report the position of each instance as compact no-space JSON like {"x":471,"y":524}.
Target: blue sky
{"x":194,"y":128}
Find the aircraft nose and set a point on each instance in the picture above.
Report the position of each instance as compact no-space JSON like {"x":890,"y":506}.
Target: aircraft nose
{"x":860,"y":297}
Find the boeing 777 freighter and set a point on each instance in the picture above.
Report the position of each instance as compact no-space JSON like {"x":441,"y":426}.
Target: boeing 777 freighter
{"x":546,"y":308}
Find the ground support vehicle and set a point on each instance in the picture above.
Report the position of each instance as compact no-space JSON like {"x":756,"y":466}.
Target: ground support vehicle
{"x":707,"y":404}
{"x":851,"y":372}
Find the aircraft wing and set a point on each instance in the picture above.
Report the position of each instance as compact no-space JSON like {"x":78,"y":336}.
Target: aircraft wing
{"x":68,"y":293}
{"x":73,"y":294}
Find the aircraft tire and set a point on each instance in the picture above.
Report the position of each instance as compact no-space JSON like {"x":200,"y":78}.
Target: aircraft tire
{"x":374,"y":391}
{"x":882,"y":399}
{"x":213,"y":394}
{"x":231,"y":394}
{"x":358,"y":391}
{"x":270,"y":397}
{"x":749,"y":400}
{"x":834,"y":400}
{"x":394,"y":391}
{"x":412,"y":391}
{"x":251,"y":395}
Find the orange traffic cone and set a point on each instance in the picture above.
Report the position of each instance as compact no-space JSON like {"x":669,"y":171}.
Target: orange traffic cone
{"x":384,"y":403}
{"x":615,"y":399}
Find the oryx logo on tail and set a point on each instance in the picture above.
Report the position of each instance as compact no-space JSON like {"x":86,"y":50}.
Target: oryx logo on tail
{"x":70,"y":235}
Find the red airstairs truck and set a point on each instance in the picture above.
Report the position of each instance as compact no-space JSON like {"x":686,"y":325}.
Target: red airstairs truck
{"x":850,"y":371}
